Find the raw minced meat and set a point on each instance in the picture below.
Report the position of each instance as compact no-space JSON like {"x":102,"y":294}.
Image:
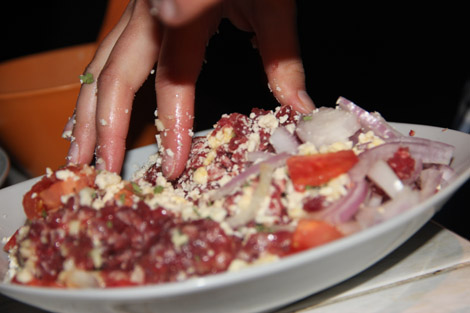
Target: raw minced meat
{"x":246,"y":197}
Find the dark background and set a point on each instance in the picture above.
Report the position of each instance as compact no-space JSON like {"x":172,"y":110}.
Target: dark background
{"x":384,"y":64}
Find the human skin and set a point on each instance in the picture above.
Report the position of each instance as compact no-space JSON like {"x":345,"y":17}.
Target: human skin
{"x":174,"y":34}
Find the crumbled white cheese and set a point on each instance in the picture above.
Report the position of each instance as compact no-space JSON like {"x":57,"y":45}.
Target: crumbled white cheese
{"x":200,"y":176}
{"x":159,"y":125}
{"x":105,"y":179}
{"x":178,"y":238}
{"x":66,"y":174}
{"x":221,"y":137}
{"x":268,"y":121}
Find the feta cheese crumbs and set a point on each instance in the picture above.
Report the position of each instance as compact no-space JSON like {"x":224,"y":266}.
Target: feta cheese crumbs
{"x":200,"y":176}
{"x":86,"y":196}
{"x":107,"y":179}
{"x":138,"y":275}
{"x":210,"y":157}
{"x":66,"y":174}
{"x":221,"y":137}
{"x":337,"y":146}
{"x":253,"y":142}
{"x":152,"y":72}
{"x":178,"y":238}
{"x":96,"y":257}
{"x":67,"y":134}
{"x":369,"y":139}
{"x":307,"y":149}
{"x":268,"y":121}
{"x":100,"y":161}
{"x":159,"y":125}
{"x":103,"y":122}
{"x":74,"y":227}
{"x":49,"y":172}
{"x":335,"y":188}
{"x":283,"y":119}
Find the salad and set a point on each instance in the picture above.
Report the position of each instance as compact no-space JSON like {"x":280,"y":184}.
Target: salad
{"x":255,"y":189}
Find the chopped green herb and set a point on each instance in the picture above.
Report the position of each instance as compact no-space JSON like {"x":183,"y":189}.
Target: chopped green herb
{"x":308,"y":187}
{"x":122,"y":198}
{"x":136,"y":188}
{"x":109,"y":224}
{"x":44,"y":213}
{"x":260,"y":228}
{"x":307,"y":118}
{"x":195,"y":209}
{"x":158,"y":189}
{"x":87,"y":78}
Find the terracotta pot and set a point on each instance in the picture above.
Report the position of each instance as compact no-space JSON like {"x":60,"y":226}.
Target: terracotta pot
{"x":37,"y":95}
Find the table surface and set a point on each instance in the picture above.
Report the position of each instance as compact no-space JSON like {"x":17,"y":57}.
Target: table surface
{"x":429,"y":273}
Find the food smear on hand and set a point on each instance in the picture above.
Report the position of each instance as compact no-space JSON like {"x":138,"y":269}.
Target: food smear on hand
{"x":255,"y":189}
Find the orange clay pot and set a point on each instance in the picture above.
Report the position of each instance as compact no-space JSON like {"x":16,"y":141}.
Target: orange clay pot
{"x":37,"y":95}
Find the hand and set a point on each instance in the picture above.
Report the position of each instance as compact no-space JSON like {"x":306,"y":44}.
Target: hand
{"x":175,"y":40}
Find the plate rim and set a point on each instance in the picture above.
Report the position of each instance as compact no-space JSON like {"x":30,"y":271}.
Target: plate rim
{"x":205,"y":283}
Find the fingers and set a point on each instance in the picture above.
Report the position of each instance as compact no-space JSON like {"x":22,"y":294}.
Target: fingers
{"x":129,"y":64}
{"x":82,"y":123}
{"x":274,"y":23}
{"x":180,"y":61}
{"x":179,"y":12}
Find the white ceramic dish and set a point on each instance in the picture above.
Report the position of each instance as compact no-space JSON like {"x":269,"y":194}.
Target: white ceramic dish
{"x":254,"y":289}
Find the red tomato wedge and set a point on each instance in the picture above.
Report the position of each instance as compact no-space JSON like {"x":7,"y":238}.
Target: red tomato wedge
{"x":311,"y":233}
{"x":318,"y":169}
{"x":45,"y":195}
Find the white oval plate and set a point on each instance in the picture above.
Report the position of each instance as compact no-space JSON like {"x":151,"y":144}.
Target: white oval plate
{"x":254,"y":289}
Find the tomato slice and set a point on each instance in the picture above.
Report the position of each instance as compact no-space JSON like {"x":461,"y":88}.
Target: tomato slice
{"x":311,"y":233}
{"x":45,"y":195}
{"x":318,"y":169}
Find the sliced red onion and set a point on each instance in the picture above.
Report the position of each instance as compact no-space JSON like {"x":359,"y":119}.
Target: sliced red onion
{"x":430,"y":179}
{"x":425,"y":153}
{"x":448,"y":174}
{"x":368,"y":216}
{"x":346,"y":207}
{"x":446,"y":150}
{"x":369,"y":121}
{"x":258,"y":156}
{"x":237,"y":181}
{"x":261,"y":191}
{"x":326,"y":126}
{"x":283,"y":141}
{"x":384,"y":177}
{"x":405,"y":200}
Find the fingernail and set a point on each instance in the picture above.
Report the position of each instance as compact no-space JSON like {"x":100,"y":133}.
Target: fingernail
{"x":305,"y":102}
{"x":72,"y":156}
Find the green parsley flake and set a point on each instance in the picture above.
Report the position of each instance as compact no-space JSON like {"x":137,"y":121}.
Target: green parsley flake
{"x":307,"y":118}
{"x":122,"y":198}
{"x":87,"y":78}
{"x":136,"y":188}
{"x":158,"y":189}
